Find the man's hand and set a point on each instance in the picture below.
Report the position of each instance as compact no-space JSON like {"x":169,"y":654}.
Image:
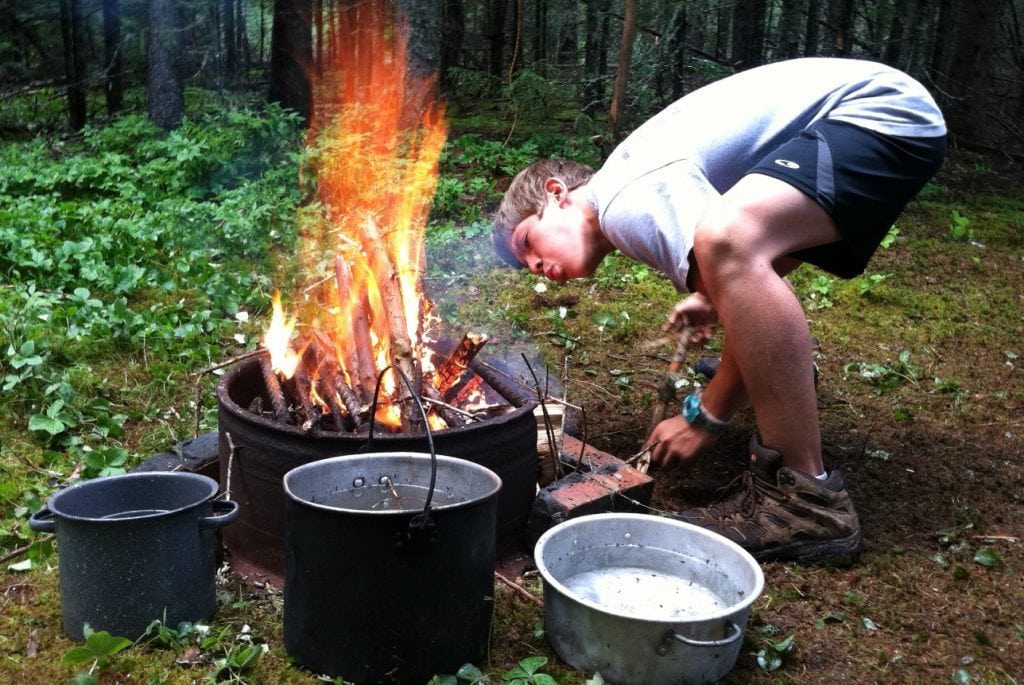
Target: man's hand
{"x":676,"y":441}
{"x":695,"y":311}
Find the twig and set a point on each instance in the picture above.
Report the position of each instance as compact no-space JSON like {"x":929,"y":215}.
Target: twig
{"x":521,"y":591}
{"x":17,"y":552}
{"x":233,"y":360}
{"x":995,"y":538}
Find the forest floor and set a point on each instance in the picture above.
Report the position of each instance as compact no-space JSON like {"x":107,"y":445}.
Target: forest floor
{"x":921,"y":399}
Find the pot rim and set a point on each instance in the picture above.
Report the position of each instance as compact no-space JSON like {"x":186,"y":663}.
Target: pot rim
{"x":725,"y":613}
{"x":53,"y":502}
{"x":420,"y":456}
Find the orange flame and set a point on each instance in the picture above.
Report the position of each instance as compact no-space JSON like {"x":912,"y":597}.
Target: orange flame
{"x":377,"y":138}
{"x":283,"y":358}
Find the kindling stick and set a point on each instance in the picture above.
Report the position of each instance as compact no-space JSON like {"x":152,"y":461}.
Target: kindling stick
{"x":667,"y":391}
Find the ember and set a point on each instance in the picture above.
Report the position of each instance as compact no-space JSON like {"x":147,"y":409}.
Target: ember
{"x":362,"y":311}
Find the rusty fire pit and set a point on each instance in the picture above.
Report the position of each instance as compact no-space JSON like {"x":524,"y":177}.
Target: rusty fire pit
{"x":256,"y":451}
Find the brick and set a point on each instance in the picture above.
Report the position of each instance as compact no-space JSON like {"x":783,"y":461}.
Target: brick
{"x":602,"y":484}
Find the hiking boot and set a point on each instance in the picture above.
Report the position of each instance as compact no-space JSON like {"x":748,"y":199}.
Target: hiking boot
{"x":779,"y":514}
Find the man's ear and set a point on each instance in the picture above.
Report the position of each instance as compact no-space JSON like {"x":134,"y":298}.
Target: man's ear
{"x":556,"y":188}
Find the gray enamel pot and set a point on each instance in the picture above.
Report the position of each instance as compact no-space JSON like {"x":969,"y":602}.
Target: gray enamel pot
{"x":645,"y":600}
{"x":136,"y":547}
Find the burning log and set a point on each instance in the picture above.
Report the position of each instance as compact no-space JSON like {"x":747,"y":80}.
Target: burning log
{"x":505,"y":385}
{"x":448,"y":373}
{"x":391,"y":300}
{"x":448,"y":414}
{"x":358,"y":357}
{"x":273,"y":386}
{"x":304,"y":391}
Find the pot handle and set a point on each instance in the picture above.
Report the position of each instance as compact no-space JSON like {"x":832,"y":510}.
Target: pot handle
{"x":229,"y":512}
{"x":420,"y":522}
{"x":666,"y":641}
{"x":43,"y":521}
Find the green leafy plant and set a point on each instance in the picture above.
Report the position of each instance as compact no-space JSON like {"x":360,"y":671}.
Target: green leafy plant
{"x":960,"y":226}
{"x":527,"y":672}
{"x":771,"y":656}
{"x":866,"y":283}
{"x":238,"y":660}
{"x":98,"y":648}
{"x":885,"y":377}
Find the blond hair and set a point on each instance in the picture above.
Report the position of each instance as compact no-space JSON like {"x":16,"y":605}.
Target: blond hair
{"x":526,"y":196}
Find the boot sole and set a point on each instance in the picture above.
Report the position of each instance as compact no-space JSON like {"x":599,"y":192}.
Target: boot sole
{"x":836,"y":552}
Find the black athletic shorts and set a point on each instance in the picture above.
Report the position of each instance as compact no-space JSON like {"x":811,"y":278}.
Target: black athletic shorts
{"x":863,"y":179}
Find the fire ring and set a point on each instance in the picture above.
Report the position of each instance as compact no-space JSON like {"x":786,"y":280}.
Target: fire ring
{"x":255,"y":452}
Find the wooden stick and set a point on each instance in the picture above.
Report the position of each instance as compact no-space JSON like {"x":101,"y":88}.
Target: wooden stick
{"x":448,"y":373}
{"x":229,"y":362}
{"x":667,"y":391}
{"x":273,"y":386}
{"x":445,"y":411}
{"x":521,"y":591}
{"x":359,"y":359}
{"x":394,"y":310}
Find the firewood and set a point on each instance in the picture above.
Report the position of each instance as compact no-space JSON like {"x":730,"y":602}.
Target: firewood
{"x":449,"y":372}
{"x":386,"y":277}
{"x":359,"y":358}
{"x":273,"y":386}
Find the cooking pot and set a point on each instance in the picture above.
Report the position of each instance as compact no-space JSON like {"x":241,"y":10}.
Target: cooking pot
{"x":645,"y":600}
{"x":136,"y":547}
{"x":389,"y":565}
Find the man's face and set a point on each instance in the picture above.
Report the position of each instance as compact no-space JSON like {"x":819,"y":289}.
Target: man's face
{"x":553,"y":245}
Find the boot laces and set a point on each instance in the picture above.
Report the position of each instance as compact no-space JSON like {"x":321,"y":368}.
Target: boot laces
{"x":742,"y":495}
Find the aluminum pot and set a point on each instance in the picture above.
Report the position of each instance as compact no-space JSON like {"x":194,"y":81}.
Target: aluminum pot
{"x":136,"y":547}
{"x":389,"y":565}
{"x":645,"y":600}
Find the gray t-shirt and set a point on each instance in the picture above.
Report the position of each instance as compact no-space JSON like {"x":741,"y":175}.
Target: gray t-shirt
{"x":657,"y":183}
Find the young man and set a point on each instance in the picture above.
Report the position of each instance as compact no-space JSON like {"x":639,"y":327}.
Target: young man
{"x":726,"y":191}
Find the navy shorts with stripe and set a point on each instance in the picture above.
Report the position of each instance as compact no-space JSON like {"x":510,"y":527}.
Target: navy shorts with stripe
{"x":863,"y":179}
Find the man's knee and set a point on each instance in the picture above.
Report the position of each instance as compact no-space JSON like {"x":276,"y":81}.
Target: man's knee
{"x":725,"y":239}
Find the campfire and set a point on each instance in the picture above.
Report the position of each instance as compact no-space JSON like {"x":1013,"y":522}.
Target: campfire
{"x":362,"y":319}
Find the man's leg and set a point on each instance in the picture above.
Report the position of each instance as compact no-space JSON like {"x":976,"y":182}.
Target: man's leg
{"x":778,"y":509}
{"x":741,"y":246}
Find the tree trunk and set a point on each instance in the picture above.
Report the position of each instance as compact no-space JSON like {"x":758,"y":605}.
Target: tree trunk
{"x":165,"y":91}
{"x":789,"y":28}
{"x":813,"y":33}
{"x":424,"y":47}
{"x":748,"y":33}
{"x":677,"y":51}
{"x":113,"y":56}
{"x":540,"y":30}
{"x":291,"y":57}
{"x":72,"y":22}
{"x":840,"y":26}
{"x":592,"y":88}
{"x":496,"y":37}
{"x":228,"y":24}
{"x":724,"y":32}
{"x":945,"y":33}
{"x":320,"y":39}
{"x":453,"y":32}
{"x":243,"y":36}
{"x":618,"y":106}
{"x":971,"y":67}
{"x":567,"y":39}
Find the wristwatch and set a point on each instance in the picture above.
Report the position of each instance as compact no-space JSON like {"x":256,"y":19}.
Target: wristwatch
{"x":696,"y":415}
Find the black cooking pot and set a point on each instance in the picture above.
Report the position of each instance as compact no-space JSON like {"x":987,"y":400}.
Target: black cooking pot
{"x":136,"y":547}
{"x":389,"y":565}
